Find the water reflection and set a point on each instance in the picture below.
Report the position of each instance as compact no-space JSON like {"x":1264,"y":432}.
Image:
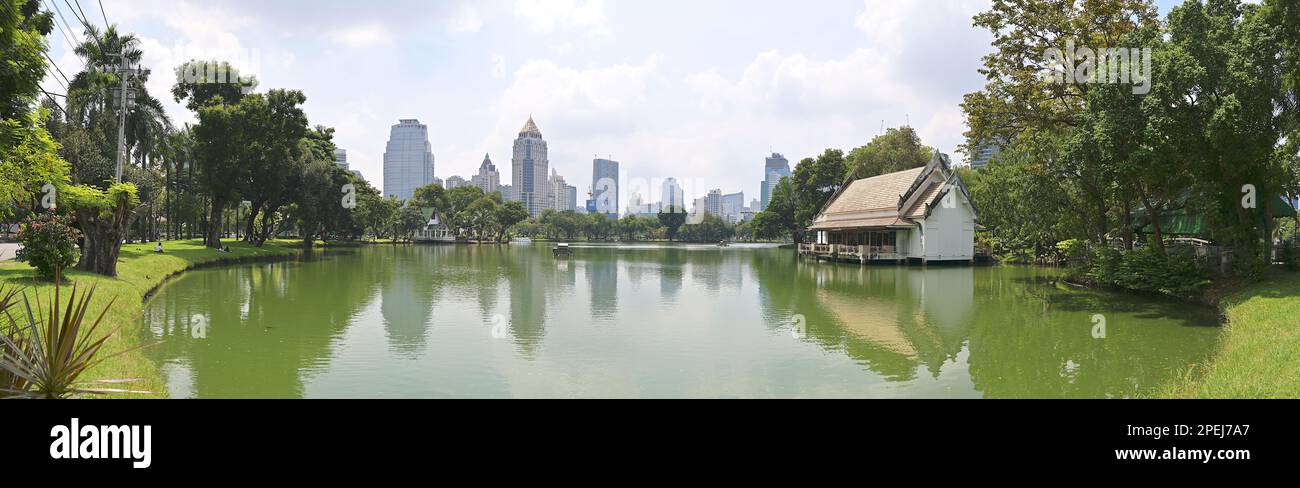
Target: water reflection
{"x":423,"y":322}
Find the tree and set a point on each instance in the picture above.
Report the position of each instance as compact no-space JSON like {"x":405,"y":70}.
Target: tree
{"x":896,"y":150}
{"x":778,"y":220}
{"x":430,"y":196}
{"x":672,"y":218}
{"x":105,"y":217}
{"x":815,"y":182}
{"x":28,"y":155}
{"x":275,"y":127}
{"x":409,"y":220}
{"x":508,"y":215}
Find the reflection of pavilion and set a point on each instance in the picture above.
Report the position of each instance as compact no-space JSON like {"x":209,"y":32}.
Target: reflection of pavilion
{"x":894,"y":319}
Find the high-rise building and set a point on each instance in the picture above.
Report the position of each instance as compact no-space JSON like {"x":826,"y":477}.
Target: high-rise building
{"x":604,"y":185}
{"x":673,"y":197}
{"x":775,"y":169}
{"x":731,"y":206}
{"x":561,"y":200}
{"x":507,"y":192}
{"x":455,"y":182}
{"x":408,"y":159}
{"x":341,"y":158}
{"x":986,"y":152}
{"x":529,"y":170}
{"x":488,"y":179}
{"x":713,"y":202}
{"x":571,"y":193}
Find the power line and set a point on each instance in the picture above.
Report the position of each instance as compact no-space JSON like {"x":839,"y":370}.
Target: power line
{"x":63,"y":27}
{"x":101,"y":12}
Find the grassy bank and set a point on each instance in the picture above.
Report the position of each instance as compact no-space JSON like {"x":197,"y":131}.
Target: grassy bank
{"x":140,"y":271}
{"x":1259,"y":356}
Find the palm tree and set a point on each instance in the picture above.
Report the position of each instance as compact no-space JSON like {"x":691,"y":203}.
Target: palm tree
{"x":93,"y":95}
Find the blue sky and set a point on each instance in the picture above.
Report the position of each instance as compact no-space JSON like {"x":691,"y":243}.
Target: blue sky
{"x":698,"y":90}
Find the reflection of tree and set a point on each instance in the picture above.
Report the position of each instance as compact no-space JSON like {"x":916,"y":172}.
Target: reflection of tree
{"x":671,"y":273}
{"x":1036,"y":341}
{"x":294,"y":312}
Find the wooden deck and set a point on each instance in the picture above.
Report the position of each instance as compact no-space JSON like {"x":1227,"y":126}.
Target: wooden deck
{"x":852,"y":254}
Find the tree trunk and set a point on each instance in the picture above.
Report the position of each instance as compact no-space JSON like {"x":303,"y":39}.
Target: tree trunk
{"x":251,"y":226}
{"x":102,"y":239}
{"x":213,"y":238}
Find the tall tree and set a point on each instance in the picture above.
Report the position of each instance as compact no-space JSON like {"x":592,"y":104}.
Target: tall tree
{"x":897,"y":149}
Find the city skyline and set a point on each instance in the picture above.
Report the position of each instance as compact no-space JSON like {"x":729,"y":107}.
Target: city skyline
{"x":739,"y":78}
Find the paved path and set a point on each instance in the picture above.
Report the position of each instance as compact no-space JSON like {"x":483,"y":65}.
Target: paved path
{"x":7,"y":251}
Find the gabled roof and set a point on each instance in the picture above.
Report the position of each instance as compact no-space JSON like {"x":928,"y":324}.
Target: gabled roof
{"x":886,"y":195}
{"x":873,"y":194}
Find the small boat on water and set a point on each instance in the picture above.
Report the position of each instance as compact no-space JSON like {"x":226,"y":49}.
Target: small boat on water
{"x":562,"y":250}
{"x":521,"y":240}
{"x":724,"y":244}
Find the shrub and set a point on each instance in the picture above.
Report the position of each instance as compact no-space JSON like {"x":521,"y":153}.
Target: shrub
{"x":44,"y":352}
{"x":49,"y":244}
{"x":1174,"y":273}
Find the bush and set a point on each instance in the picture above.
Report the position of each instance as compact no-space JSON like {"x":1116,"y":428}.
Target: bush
{"x":49,"y":244}
{"x":1290,"y":256}
{"x":1173,"y":273}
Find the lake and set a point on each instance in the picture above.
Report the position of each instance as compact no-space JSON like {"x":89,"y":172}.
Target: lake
{"x":656,"y":321}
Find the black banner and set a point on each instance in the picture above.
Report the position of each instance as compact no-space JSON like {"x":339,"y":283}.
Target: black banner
{"x":225,"y":438}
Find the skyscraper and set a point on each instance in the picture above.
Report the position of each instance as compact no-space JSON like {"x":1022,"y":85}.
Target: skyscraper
{"x":774,"y":170}
{"x":561,"y":200}
{"x":487,"y":179}
{"x":604,"y":186}
{"x":672,"y":196}
{"x":341,"y":158}
{"x":985,"y":153}
{"x":408,"y":159}
{"x":713,"y":203}
{"x":529,"y":170}
{"x":455,"y":182}
{"x":732,"y":205}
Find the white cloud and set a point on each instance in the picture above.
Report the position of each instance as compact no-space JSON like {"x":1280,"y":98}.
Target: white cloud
{"x":468,"y":21}
{"x":546,"y":16}
{"x":364,"y":35}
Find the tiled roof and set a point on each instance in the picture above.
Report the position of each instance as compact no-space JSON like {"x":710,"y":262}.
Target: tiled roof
{"x":927,"y":197}
{"x":875,"y":193}
{"x":883,"y":222}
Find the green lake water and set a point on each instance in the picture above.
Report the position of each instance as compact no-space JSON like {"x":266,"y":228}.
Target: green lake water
{"x":656,"y":321}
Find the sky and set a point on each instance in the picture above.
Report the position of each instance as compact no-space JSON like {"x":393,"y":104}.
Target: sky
{"x":701,"y":91}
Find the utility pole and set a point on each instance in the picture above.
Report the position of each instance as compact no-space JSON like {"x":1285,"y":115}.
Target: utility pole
{"x":126,"y":100}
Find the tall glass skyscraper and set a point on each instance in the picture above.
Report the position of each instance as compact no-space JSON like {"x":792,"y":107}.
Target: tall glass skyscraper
{"x":774,"y":170}
{"x":604,"y":186}
{"x":530,"y":168}
{"x":408,"y":159}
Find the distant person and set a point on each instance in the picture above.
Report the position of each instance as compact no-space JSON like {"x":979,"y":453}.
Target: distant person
{"x":227,"y":249}
{"x":158,"y":248}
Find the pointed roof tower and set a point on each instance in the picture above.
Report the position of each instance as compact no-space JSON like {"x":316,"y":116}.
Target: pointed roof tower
{"x":530,"y":128}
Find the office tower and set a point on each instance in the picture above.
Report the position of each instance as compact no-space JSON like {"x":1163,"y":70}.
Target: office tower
{"x":572,"y":192}
{"x":341,"y":158}
{"x":731,"y":206}
{"x":604,"y":184}
{"x":560,"y":198}
{"x":529,"y":170}
{"x":507,"y":192}
{"x":488,"y":179}
{"x":713,"y":202}
{"x":408,"y":159}
{"x":775,"y":169}
{"x":673,"y":197}
{"x":455,"y":181}
{"x":986,"y":152}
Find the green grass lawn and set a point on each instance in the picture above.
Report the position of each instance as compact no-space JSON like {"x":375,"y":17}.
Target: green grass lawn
{"x":140,"y":270}
{"x":1260,"y":353}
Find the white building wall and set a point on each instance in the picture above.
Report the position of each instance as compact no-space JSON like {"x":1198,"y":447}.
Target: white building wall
{"x":950,"y":232}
